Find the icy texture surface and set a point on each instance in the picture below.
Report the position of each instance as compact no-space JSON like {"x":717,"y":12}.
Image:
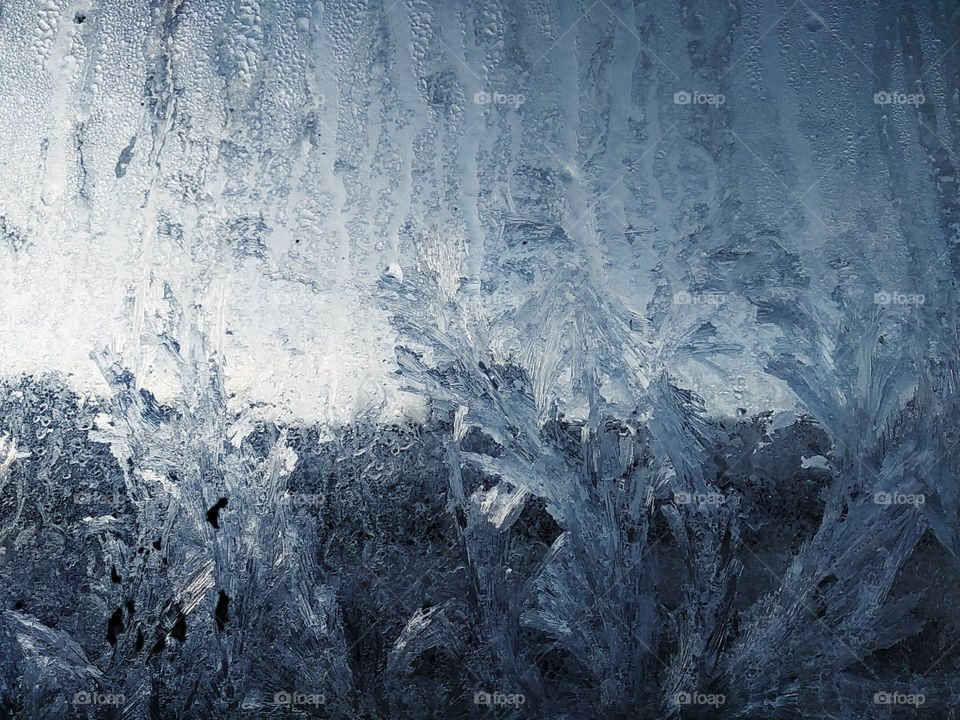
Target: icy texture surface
{"x":408,"y":359}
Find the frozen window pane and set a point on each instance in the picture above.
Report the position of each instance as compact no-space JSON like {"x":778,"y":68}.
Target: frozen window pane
{"x":446,"y":358}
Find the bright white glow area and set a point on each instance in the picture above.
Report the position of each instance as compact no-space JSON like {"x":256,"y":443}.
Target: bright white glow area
{"x":139,"y":205}
{"x":304,"y":356}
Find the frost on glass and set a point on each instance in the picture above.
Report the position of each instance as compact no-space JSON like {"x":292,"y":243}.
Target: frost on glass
{"x":414,"y":359}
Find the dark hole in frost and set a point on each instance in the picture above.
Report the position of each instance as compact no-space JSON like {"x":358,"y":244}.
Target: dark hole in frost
{"x":213,"y":514}
{"x":222,"y":612}
{"x":115,"y":626}
{"x":179,"y":629}
{"x":159,"y":645}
